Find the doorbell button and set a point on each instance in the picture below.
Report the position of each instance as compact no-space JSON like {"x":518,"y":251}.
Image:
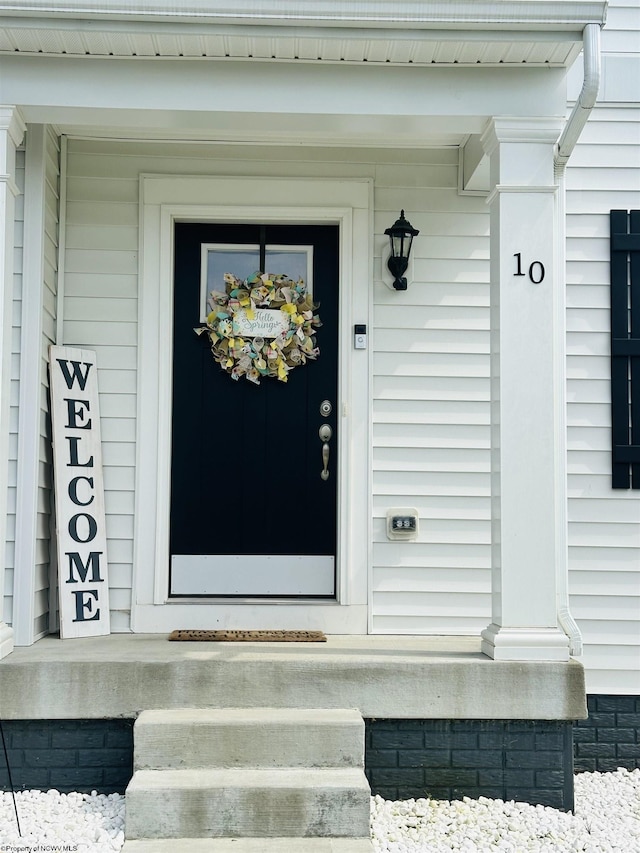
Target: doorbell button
{"x":360,"y":336}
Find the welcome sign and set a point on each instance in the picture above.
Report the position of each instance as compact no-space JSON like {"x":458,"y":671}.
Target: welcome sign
{"x":79,"y":492}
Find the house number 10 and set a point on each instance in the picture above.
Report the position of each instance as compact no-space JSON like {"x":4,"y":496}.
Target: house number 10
{"x":536,"y":270}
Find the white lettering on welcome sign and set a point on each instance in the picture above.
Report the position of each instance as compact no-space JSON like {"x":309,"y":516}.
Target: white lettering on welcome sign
{"x":80,"y":515}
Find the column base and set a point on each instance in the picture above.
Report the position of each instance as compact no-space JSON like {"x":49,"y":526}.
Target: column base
{"x":524,"y":643}
{"x":6,"y":640}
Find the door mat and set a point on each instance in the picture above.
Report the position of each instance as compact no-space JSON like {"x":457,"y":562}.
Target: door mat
{"x":249,"y":636}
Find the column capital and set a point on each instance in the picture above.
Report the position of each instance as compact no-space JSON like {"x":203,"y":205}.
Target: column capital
{"x":520,"y":130}
{"x":11,"y":122}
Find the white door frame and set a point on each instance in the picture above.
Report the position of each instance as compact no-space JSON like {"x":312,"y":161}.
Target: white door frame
{"x":165,"y":199}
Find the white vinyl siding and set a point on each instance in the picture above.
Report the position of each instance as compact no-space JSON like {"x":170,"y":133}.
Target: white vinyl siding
{"x":44,"y":597}
{"x":604,"y":524}
{"x":431,"y":415}
{"x":100,"y":313}
{"x":621,"y":33}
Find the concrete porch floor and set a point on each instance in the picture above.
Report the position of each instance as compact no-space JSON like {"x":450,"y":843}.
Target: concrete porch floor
{"x":384,"y":677}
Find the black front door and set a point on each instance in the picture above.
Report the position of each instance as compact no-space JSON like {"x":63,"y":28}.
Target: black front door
{"x":252,"y":514}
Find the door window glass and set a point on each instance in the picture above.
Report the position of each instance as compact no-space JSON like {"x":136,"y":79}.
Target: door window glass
{"x":243,"y":260}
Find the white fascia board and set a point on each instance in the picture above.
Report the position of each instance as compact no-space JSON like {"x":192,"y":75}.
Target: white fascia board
{"x":216,"y":88}
{"x":189,"y":100}
{"x":494,"y":14}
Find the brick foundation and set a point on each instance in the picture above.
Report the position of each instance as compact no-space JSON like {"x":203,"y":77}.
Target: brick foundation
{"x":610,"y":738}
{"x":530,"y":761}
{"x":69,"y":755}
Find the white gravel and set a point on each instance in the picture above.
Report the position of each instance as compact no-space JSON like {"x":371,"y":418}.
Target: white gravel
{"x":607,"y":819}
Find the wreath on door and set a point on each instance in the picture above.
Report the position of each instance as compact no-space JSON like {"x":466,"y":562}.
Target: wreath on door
{"x":262,"y":326}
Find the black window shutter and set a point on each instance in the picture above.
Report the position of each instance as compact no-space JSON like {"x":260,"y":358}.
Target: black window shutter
{"x":625,"y":348}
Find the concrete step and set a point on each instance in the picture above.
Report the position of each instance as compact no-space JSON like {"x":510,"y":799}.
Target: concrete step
{"x":249,"y":845}
{"x":244,"y":737}
{"x":248,"y":802}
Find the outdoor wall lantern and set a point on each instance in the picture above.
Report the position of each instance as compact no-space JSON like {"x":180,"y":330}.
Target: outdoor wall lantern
{"x":401,"y":236}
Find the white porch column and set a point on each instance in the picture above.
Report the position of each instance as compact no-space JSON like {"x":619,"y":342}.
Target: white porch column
{"x":528,"y":482}
{"x":11,"y":133}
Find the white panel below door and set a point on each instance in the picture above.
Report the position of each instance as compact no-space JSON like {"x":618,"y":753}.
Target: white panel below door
{"x":252,"y":575}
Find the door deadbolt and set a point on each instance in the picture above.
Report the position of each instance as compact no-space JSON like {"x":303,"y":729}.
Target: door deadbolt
{"x":325,"y":408}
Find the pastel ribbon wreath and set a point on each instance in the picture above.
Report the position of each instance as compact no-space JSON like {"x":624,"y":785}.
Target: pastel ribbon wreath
{"x":240,"y":354}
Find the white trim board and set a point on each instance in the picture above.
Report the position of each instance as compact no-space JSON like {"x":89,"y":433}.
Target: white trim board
{"x":493,"y":15}
{"x":165,"y":200}
{"x":30,"y":390}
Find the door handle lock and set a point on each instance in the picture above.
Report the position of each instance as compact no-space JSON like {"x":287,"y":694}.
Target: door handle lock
{"x":324,"y":433}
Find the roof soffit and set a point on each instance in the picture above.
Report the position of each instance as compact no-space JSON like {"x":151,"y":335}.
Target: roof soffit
{"x":499,"y":32}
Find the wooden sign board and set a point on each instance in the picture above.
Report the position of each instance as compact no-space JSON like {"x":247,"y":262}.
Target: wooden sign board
{"x":79,"y":493}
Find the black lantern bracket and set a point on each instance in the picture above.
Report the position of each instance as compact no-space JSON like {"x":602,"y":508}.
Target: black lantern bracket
{"x":400,"y":235}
